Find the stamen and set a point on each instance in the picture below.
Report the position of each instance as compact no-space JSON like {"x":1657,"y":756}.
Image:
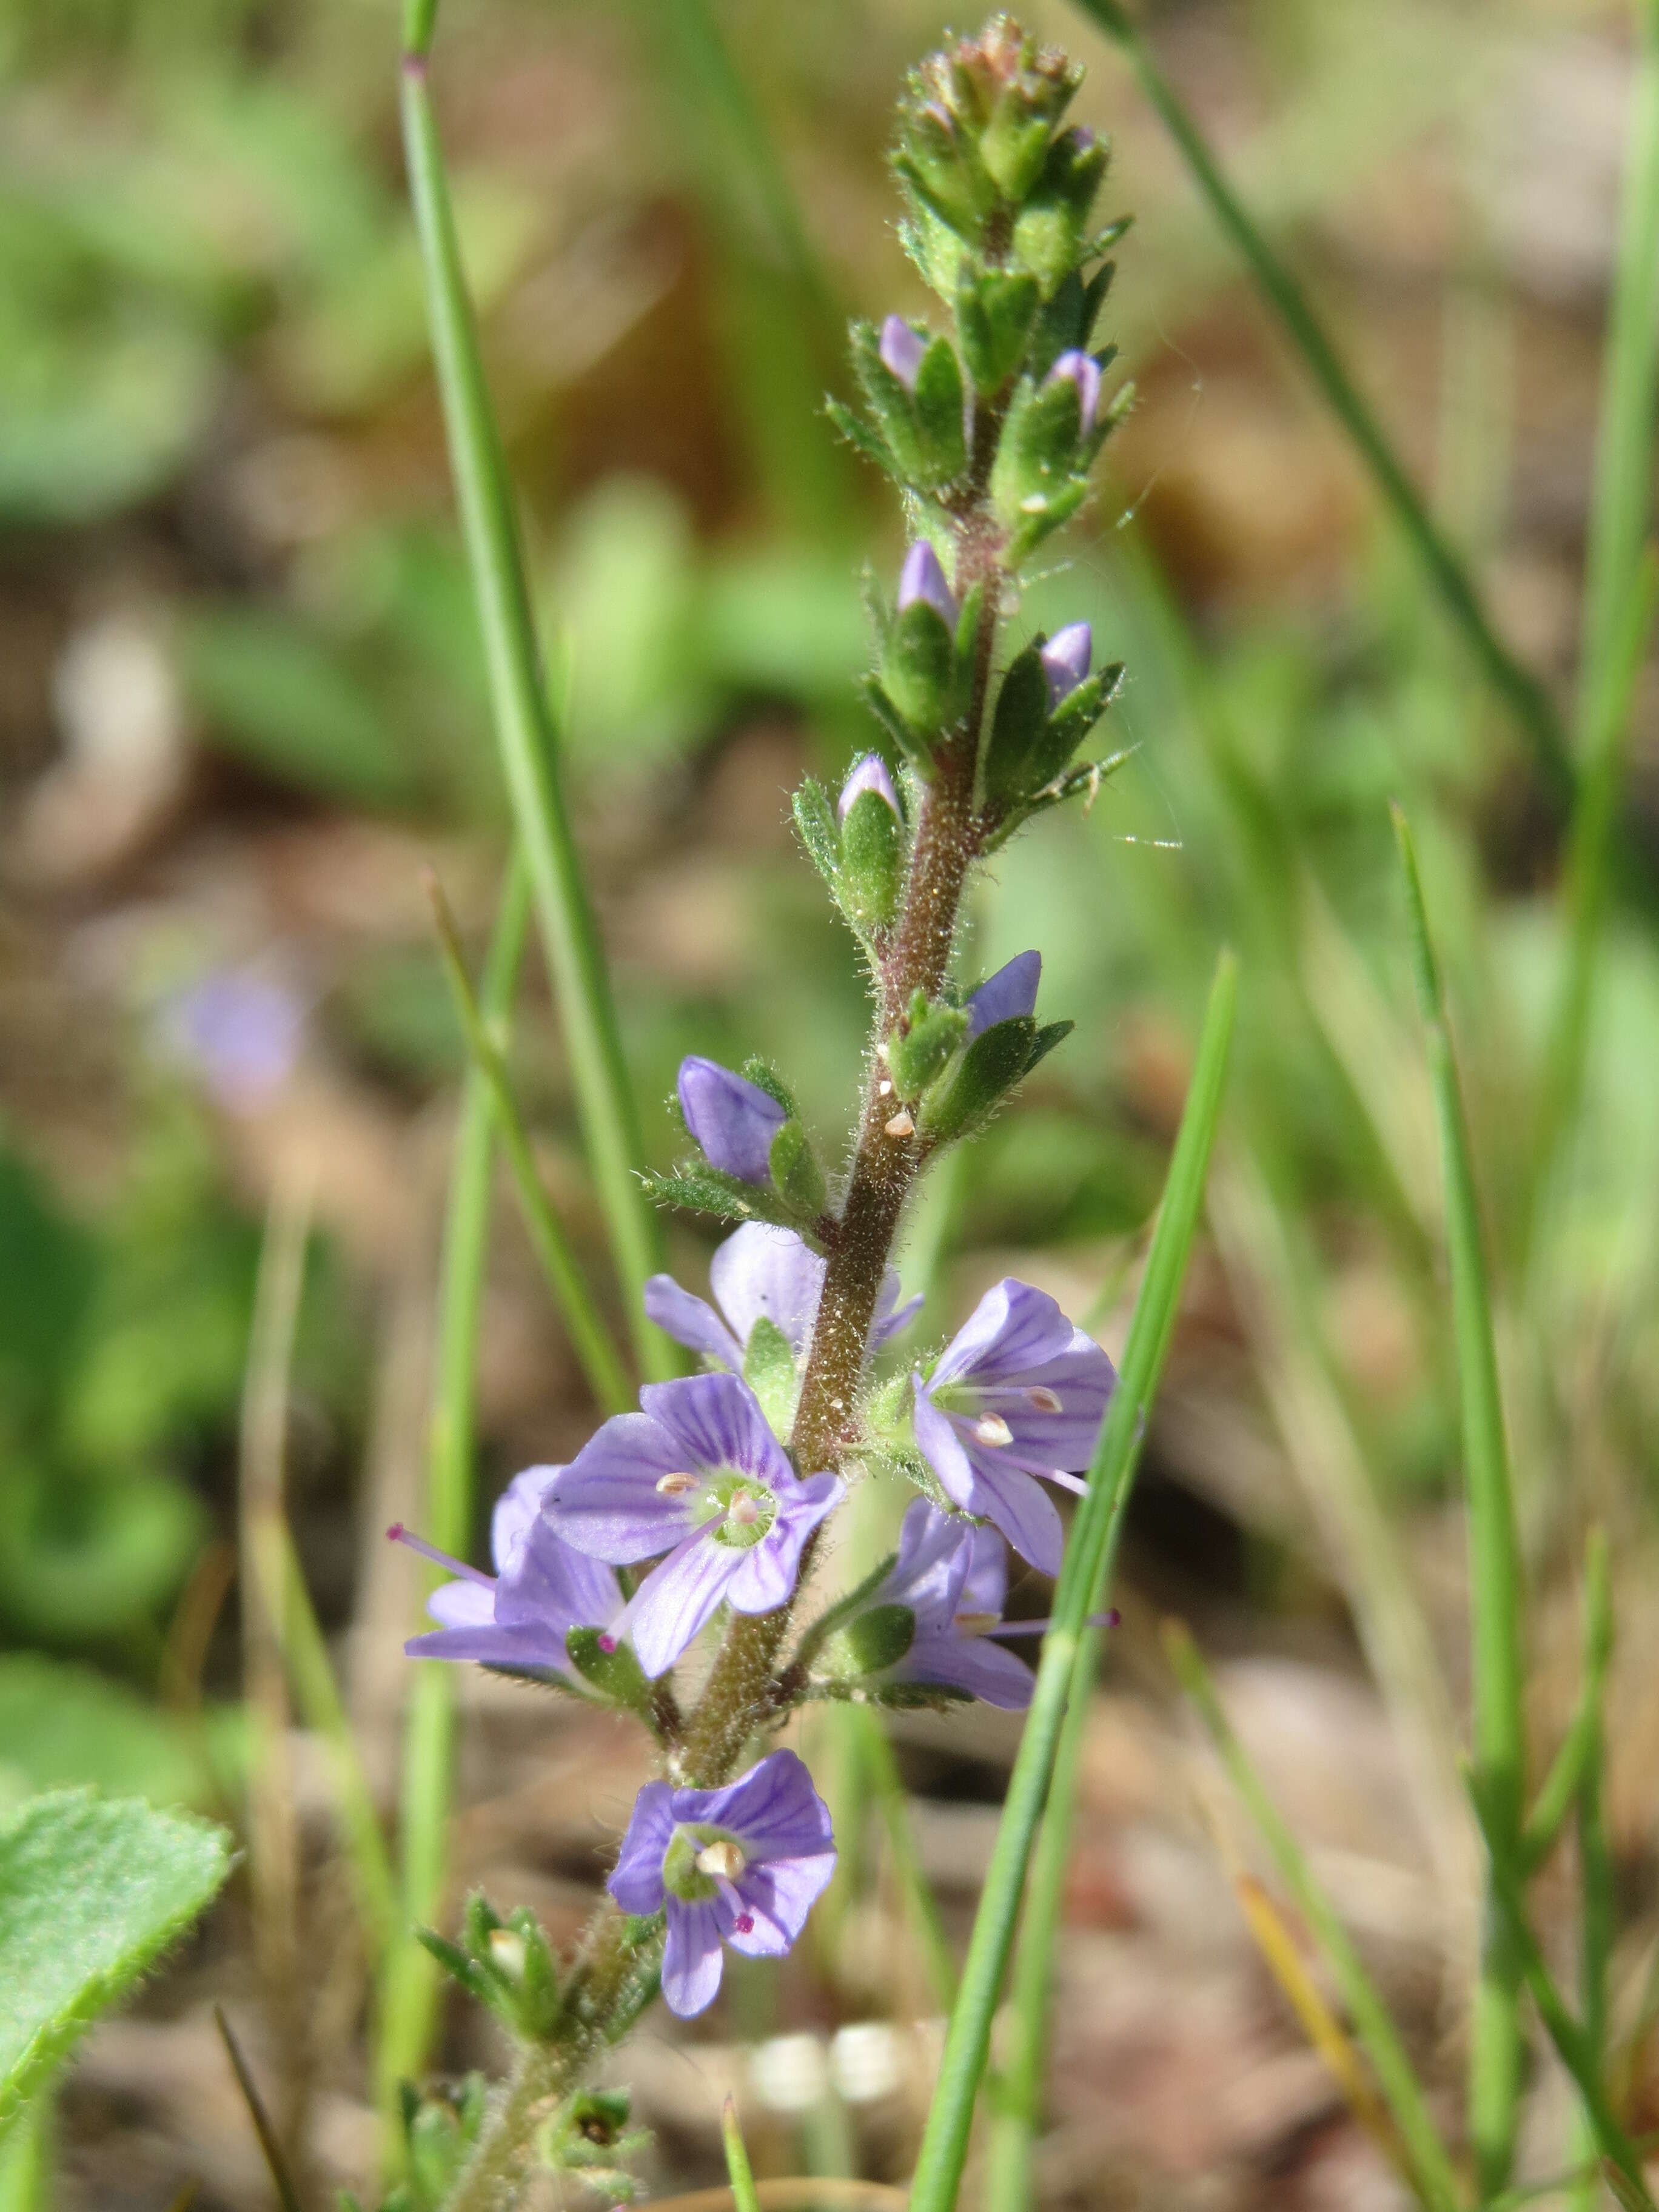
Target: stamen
{"x":398,"y":1534}
{"x":992,"y":1429}
{"x":676,"y":1485}
{"x":975,"y":1624}
{"x":901,"y":1125}
{"x":1045,"y":1400}
{"x":722,"y":1859}
{"x":1111,"y":1619}
{"x":745,"y":1509}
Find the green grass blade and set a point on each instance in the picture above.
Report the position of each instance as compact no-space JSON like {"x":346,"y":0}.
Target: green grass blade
{"x":1009,"y":2185}
{"x":590,"y":1339}
{"x":943,"y":2148}
{"x":742,"y":2175}
{"x":1597,"y":1912}
{"x":524,"y":722}
{"x":1580,"y":1752}
{"x":922,"y":1906}
{"x":1498,"y":1686}
{"x":1436,"y":2177}
{"x":410,"y":1981}
{"x":1529,"y":702}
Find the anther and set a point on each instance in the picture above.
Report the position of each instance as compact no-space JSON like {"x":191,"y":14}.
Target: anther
{"x":676,"y":1485}
{"x":1045,"y":1400}
{"x":992,"y":1429}
{"x":723,"y":1860}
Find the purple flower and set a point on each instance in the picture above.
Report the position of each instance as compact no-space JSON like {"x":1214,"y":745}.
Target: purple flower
{"x":520,"y":1616}
{"x":698,"y":1475}
{"x":921,"y":577}
{"x":761,"y":1273}
{"x":730,"y":1119}
{"x":1017,"y":1393}
{"x":869,"y":774}
{"x":241,"y":1031}
{"x":1083,"y":370}
{"x":743,"y":1865}
{"x":1007,"y":996}
{"x":901,"y":349}
{"x":951,"y":1578}
{"x":1065,"y":661}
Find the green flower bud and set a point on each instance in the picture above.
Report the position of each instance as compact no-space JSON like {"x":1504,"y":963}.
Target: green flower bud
{"x":917,"y":666}
{"x":979,"y":1080}
{"x":871,"y":863}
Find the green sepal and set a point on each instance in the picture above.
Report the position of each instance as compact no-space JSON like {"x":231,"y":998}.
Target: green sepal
{"x":980,"y":1079}
{"x":1066,"y":728}
{"x":616,"y":1674}
{"x":815,"y":821}
{"x":1066,"y":324}
{"x":441,"y":2130}
{"x":917,"y":1049}
{"x":1050,"y":1035}
{"x":764,"y":1076}
{"x":871,"y":867}
{"x":1044,"y":514}
{"x":796,"y":1174}
{"x":536,"y":1983}
{"x":892,"y":405}
{"x":916,"y":668}
{"x":995,"y":310}
{"x":769,"y":1369}
{"x":704,"y":1189}
{"x":872,"y":1640}
{"x":914,"y":749}
{"x":1039,"y":447}
{"x":920,"y":1697}
{"x":456,"y":1964}
{"x":864,"y":438}
{"x":1017,"y":729}
{"x":939,"y":403}
{"x":1014,"y":148}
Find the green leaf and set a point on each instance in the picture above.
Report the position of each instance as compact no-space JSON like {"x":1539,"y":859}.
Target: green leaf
{"x":92,"y":1892}
{"x":1017,"y":730}
{"x":705,"y":1190}
{"x":872,"y":862}
{"x":916,"y":668}
{"x":815,"y":819}
{"x":995,"y":312}
{"x":796,"y":1174}
{"x":63,"y":1726}
{"x":983,"y":1076}
{"x":939,"y":404}
{"x":769,"y":1369}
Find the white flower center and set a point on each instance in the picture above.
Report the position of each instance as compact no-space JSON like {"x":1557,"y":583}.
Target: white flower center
{"x":992,"y":1429}
{"x":723,"y":1860}
{"x":676,"y":1485}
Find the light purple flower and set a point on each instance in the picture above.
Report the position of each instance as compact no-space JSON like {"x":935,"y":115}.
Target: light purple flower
{"x":869,"y":774}
{"x":1007,"y":996}
{"x":521,"y":1615}
{"x":1065,"y":661}
{"x":922,"y":578}
{"x":1017,"y":1393}
{"x":761,"y":1273}
{"x":901,"y":349}
{"x":698,"y":1475}
{"x":952,"y":1577}
{"x":1083,"y":370}
{"x":730,"y":1119}
{"x":744,"y":1865}
{"x":241,"y":1031}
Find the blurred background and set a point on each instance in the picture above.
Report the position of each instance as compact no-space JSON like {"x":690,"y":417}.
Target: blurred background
{"x":241,"y":708}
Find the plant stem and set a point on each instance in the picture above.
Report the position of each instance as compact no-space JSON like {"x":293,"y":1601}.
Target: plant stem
{"x":1498,"y":1725}
{"x":1528,"y":702}
{"x":523,"y":716}
{"x":409,"y":1978}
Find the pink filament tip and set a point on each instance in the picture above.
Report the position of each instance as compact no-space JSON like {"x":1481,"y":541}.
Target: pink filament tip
{"x":395,"y":1533}
{"x":744,"y":1924}
{"x":607,"y":1644}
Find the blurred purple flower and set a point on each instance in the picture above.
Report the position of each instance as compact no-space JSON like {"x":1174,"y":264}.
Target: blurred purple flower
{"x":1017,"y":1393}
{"x":1065,"y":661}
{"x":901,"y":349}
{"x":922,"y":578}
{"x":1083,"y":370}
{"x":952,"y":1577}
{"x":731,"y":1120}
{"x":1007,"y":996}
{"x":869,"y":774}
{"x":240,"y":1031}
{"x":743,"y":1865}
{"x":542,"y":1589}
{"x":698,"y":1474}
{"x":761,"y":1273}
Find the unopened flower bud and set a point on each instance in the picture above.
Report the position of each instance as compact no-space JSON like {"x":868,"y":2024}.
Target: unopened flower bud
{"x":1065,"y":661}
{"x":869,"y":774}
{"x":901,"y":349}
{"x":733,"y":1120}
{"x":922,"y":578}
{"x":1083,"y":370}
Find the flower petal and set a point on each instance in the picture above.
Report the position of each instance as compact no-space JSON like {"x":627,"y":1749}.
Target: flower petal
{"x":691,"y":1960}
{"x":712,"y":1421}
{"x":766,"y":1272}
{"x":1020,"y":1507}
{"x":692,"y":1322}
{"x":985,"y":1586}
{"x":515,"y":1509}
{"x":678,"y":1598}
{"x":935,"y":1552}
{"x":891,"y":1316}
{"x":1012,"y":1331}
{"x":607,"y":1503}
{"x":773,"y":1810}
{"x":733,"y":1120}
{"x":767,"y":1572}
{"x":463,"y":1605}
{"x":551,"y":1583}
{"x":1007,"y":995}
{"x":984,"y":1670}
{"x":636,"y":1880}
{"x":776,"y":1898}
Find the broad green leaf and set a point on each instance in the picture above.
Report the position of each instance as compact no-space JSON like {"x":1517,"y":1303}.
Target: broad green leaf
{"x":63,"y":1726}
{"x":92,"y":1892}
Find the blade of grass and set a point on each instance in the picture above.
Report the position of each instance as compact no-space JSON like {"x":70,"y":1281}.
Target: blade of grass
{"x":1528,"y":702}
{"x":1498,"y":1685}
{"x":271,"y":2149}
{"x":922,"y":1906}
{"x":1596,"y":1879}
{"x":1009,"y":2185}
{"x":744,"y":2198}
{"x":1573,"y":2044}
{"x":523,"y":716}
{"x":591,"y":1340}
{"x":943,"y":2148}
{"x":1581,"y":1746}
{"x":410,"y":1980}
{"x":1434,"y":2177}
